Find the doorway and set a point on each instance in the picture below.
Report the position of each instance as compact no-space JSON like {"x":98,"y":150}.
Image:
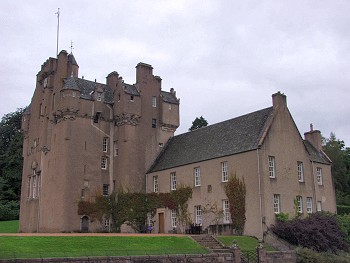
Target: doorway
{"x":161,"y":222}
{"x":85,"y":224}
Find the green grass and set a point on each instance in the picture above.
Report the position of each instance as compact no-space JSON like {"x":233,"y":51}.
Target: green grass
{"x":245,"y":243}
{"x":9,"y":226}
{"x":83,"y":246}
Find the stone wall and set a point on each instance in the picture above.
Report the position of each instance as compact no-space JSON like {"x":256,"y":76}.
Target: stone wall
{"x":220,"y":257}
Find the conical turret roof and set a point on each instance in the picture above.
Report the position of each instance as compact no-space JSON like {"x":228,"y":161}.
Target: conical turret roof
{"x":71,"y":60}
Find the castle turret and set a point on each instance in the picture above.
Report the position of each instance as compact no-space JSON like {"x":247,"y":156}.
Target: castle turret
{"x":73,"y":67}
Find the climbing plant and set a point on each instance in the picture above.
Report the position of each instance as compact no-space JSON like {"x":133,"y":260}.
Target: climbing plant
{"x":133,"y":208}
{"x":235,"y":190}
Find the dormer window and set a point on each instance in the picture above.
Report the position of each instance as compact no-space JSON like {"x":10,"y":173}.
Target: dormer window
{"x":99,"y":96}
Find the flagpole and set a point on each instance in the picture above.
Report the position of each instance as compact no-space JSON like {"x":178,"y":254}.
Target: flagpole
{"x":58,"y":29}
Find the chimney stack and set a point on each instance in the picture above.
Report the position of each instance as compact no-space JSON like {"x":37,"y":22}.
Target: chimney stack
{"x":279,"y":100}
{"x":314,"y":137}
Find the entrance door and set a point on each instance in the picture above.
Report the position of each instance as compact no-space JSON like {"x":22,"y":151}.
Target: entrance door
{"x":161,"y":222}
{"x":85,"y":224}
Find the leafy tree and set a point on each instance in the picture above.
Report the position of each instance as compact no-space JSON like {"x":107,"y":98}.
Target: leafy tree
{"x":198,"y":123}
{"x":335,"y":149}
{"x":11,"y":164}
{"x":340,"y":156}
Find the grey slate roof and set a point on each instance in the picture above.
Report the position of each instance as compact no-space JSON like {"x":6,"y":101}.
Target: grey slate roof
{"x":315,"y":155}
{"x":86,"y":87}
{"x":230,"y":137}
{"x":70,"y":83}
{"x":169,"y":97}
{"x":71,"y":59}
{"x":131,"y":89}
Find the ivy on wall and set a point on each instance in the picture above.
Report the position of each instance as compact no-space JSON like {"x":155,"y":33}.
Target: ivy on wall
{"x":235,"y":190}
{"x":133,"y":208}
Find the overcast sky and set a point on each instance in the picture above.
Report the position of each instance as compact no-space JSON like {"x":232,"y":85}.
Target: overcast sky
{"x":223,"y":58}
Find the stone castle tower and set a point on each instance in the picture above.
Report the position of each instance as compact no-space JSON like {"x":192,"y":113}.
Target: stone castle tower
{"x":83,"y":138}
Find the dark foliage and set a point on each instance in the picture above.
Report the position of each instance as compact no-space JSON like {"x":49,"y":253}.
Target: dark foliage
{"x":11,"y":164}
{"x":235,"y":190}
{"x":320,"y":232}
{"x":198,"y":123}
{"x":340,"y":156}
{"x":343,"y":209}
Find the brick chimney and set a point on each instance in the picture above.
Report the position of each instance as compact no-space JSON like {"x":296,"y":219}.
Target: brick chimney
{"x":279,"y":100}
{"x":314,"y":137}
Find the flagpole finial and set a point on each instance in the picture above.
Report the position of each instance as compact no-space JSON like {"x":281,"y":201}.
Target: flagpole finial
{"x":71,"y":47}
{"x":58,"y":28}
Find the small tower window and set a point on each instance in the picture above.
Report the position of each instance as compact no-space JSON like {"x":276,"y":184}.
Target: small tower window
{"x":154,"y":123}
{"x":99,"y":96}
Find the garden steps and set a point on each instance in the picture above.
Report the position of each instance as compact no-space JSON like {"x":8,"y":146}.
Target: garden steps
{"x":211,"y":243}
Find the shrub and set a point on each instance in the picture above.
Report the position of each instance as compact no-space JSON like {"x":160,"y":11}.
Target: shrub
{"x":344,"y":223}
{"x":9,"y":211}
{"x":282,"y":217}
{"x":320,"y":232}
{"x":305,"y":255}
{"x":343,"y":209}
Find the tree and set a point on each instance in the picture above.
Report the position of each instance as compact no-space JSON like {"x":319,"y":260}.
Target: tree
{"x":11,"y":164}
{"x":198,"y":123}
{"x":340,"y":156}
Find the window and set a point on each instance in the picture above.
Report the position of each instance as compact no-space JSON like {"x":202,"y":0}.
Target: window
{"x":104,"y":163}
{"x":116,"y":148}
{"x":309,"y":205}
{"x":173,"y":218}
{"x":300,"y":204}
{"x":272,"y":168}
{"x":300,"y":172}
{"x":99,"y":96}
{"x":105,"y":144}
{"x":154,"y":123}
{"x":173,"y":181}
{"x":105,"y":189}
{"x":155,"y":184}
{"x":97,"y":117}
{"x":34,"y":185}
{"x":224,"y":171}
{"x":198,"y":213}
{"x":197,"y":176}
{"x":29,"y":187}
{"x":319,"y":175}
{"x":82,"y":193}
{"x":106,"y":223}
{"x":154,"y":101}
{"x":131,"y":97}
{"x":319,"y":206}
{"x":276,"y":203}
{"x":169,"y":106}
{"x":226,"y":210}
{"x":74,"y":94}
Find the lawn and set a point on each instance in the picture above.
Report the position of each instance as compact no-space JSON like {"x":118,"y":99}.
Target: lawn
{"x":9,"y":226}
{"x":245,"y":243}
{"x":83,"y":246}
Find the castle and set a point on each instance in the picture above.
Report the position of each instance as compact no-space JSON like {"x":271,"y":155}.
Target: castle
{"x":83,"y":138}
